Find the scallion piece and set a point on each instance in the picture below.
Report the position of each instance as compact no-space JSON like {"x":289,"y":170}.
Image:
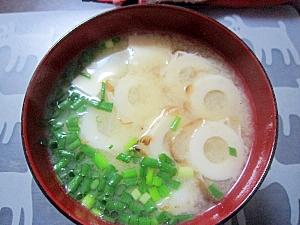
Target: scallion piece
{"x":184,"y":217}
{"x":144,"y":221}
{"x":106,"y":106}
{"x":60,"y":164}
{"x":129,"y":173}
{"x":175,"y":123}
{"x":232,"y":151}
{"x":86,"y":185}
{"x":174,"y":184}
{"x":136,"y":194}
{"x":86,"y":75}
{"x":157,"y":181}
{"x":154,"y":193}
{"x":145,"y":198}
{"x":163,"y":217}
{"x":135,"y":208}
{"x":150,"y":162}
{"x":115,"y":205}
{"x":103,"y":91}
{"x":85,"y":169}
{"x":133,"y":220}
{"x":110,"y":171}
{"x":124,"y":157}
{"x":130,"y":144}
{"x":164,"y":158}
{"x":130,"y":182}
{"x":171,"y":170}
{"x":87,"y":150}
{"x":215,"y":191}
{"x":115,"y":180}
{"x":66,"y":154}
{"x":123,"y":218}
{"x":77,"y":143}
{"x":150,"y":206}
{"x":95,"y":184}
{"x":126,"y":197}
{"x":149,"y":176}
{"x":100,"y":161}
{"x":74,"y":184}
{"x":164,"y":191}
{"x":88,"y":201}
{"x":185,"y":172}
{"x":96,"y":212}
{"x":143,"y":187}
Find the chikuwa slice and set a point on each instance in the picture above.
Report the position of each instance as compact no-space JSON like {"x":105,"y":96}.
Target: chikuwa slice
{"x":209,"y":151}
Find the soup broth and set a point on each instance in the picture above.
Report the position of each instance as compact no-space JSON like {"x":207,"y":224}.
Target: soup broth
{"x":151,"y":129}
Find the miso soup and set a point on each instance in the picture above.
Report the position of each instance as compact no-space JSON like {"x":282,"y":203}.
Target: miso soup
{"x":149,"y":129}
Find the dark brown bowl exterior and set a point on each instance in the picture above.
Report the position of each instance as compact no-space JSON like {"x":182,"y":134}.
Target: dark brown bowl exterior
{"x":151,"y":18}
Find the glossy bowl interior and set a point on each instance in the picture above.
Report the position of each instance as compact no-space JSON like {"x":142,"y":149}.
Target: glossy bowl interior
{"x":151,"y":18}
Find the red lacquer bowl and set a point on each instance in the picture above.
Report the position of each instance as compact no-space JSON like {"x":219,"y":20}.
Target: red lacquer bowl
{"x":151,"y":18}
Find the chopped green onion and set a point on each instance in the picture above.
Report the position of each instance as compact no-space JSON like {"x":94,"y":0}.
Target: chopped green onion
{"x":66,"y":154}
{"x":115,"y":205}
{"x":86,"y":185}
{"x":124,"y":157}
{"x":143,"y":172}
{"x":60,"y":164}
{"x":163,"y":217}
{"x":105,"y":106}
{"x":145,"y":197}
{"x":165,"y":167}
{"x":110,"y":171}
{"x":185,"y":172}
{"x":126,"y":197}
{"x":102,"y":184}
{"x":75,"y":144}
{"x":164,"y":191}
{"x":129,"y":173}
{"x":175,"y":123}
{"x":108,"y":219}
{"x":174,"y":184}
{"x":144,"y":221}
{"x":157,"y":181}
{"x":215,"y":191}
{"x":120,"y":189}
{"x":95,"y":184}
{"x":96,"y":212}
{"x":123,"y":218}
{"x":103,"y":91}
{"x":87,"y":150}
{"x":100,"y":161}
{"x":232,"y":151}
{"x":134,"y":207}
{"x":136,"y":194}
{"x":164,"y":158}
{"x":154,"y":193}
{"x":130,"y":144}
{"x":150,"y":162}
{"x":115,"y":180}
{"x":86,"y":75}
{"x":109,"y":190}
{"x":85,"y":169}
{"x":184,"y":217}
{"x":150,"y":206}
{"x":143,"y":187}
{"x":88,"y":201}
{"x":149,"y":176}
{"x":165,"y":176}
{"x":110,"y":147}
{"x":74,"y":183}
{"x":133,"y":220}
{"x":130,"y":182}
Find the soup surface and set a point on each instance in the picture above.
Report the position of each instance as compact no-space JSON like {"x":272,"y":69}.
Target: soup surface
{"x":149,"y":129}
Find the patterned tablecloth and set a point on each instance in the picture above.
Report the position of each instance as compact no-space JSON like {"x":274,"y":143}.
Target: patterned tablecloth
{"x":272,"y":33}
